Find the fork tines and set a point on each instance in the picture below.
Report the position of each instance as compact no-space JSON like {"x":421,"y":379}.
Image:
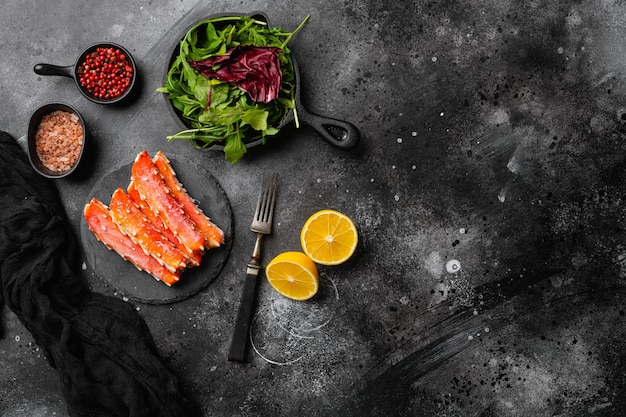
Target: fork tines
{"x":265,"y":205}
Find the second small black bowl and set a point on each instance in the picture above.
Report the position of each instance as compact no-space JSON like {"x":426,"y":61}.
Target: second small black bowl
{"x":72,"y":71}
{"x":33,"y":125}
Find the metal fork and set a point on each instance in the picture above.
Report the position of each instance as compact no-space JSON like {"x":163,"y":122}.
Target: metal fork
{"x":261,"y":225}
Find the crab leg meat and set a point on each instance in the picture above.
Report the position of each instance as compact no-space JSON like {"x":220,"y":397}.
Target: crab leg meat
{"x":213,"y":234}
{"x":101,"y":223}
{"x":192,"y":260}
{"x":133,"y":223}
{"x":152,"y":189}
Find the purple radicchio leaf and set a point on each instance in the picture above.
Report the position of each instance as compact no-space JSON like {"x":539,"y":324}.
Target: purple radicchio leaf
{"x":254,"y":69}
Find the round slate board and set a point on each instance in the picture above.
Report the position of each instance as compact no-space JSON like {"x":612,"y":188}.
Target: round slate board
{"x":141,"y":286}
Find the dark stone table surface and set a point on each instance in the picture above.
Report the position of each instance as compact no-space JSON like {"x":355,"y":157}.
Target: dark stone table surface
{"x":488,"y":191}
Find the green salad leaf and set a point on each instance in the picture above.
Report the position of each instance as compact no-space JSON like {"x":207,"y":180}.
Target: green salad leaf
{"x":218,"y":112}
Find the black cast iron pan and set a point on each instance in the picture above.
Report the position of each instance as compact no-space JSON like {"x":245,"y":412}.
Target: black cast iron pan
{"x":339,"y":133}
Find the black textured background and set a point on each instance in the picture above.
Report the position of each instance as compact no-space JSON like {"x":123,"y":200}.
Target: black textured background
{"x":494,"y":134}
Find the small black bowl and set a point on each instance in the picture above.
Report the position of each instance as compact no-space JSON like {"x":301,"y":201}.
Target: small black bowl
{"x":33,"y":125}
{"x":72,"y":71}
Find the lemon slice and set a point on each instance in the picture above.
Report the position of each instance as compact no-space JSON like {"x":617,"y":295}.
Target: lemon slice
{"x":329,"y":237}
{"x":294,"y":275}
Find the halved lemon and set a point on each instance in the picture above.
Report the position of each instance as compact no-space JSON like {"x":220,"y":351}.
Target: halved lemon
{"x":294,"y":275}
{"x":329,"y":237}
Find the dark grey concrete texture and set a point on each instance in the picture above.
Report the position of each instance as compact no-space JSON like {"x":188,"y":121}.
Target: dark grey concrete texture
{"x":488,"y":191}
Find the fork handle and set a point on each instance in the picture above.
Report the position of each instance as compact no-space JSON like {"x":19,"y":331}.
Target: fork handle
{"x":239,"y":343}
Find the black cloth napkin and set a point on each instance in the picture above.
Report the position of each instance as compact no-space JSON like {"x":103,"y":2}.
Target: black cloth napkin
{"x":103,"y":351}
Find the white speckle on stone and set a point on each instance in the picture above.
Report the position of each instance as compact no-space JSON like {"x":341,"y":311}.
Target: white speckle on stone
{"x":453,"y":266}
{"x":17,"y":338}
{"x":462,"y":230}
{"x":399,"y":140}
{"x":404,"y":300}
{"x":414,"y":167}
{"x":396,"y":197}
{"x":116,"y":30}
{"x":83,"y":266}
{"x":513,"y":165}
{"x":500,"y":117}
{"x":441,"y":114}
{"x":556,"y":281}
{"x":560,"y":50}
{"x":502,"y":195}
{"x":434,"y":59}
{"x":433,"y":264}
{"x":414,"y":134}
{"x":319,"y":180}
{"x":213,"y":368}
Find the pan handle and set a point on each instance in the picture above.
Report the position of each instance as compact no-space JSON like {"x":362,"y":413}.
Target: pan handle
{"x":339,"y":133}
{"x":49,"y":69}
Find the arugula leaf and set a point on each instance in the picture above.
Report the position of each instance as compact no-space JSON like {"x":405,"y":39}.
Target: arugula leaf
{"x":234,"y":149}
{"x":256,"y":118}
{"x":220,"y":112}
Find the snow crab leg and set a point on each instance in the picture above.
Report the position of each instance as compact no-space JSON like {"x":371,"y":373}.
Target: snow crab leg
{"x":213,"y":234}
{"x":133,"y":223}
{"x":192,"y":260}
{"x":152,"y":189}
{"x":101,"y":223}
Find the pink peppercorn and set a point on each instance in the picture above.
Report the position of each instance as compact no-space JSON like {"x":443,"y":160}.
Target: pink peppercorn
{"x":106,"y":73}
